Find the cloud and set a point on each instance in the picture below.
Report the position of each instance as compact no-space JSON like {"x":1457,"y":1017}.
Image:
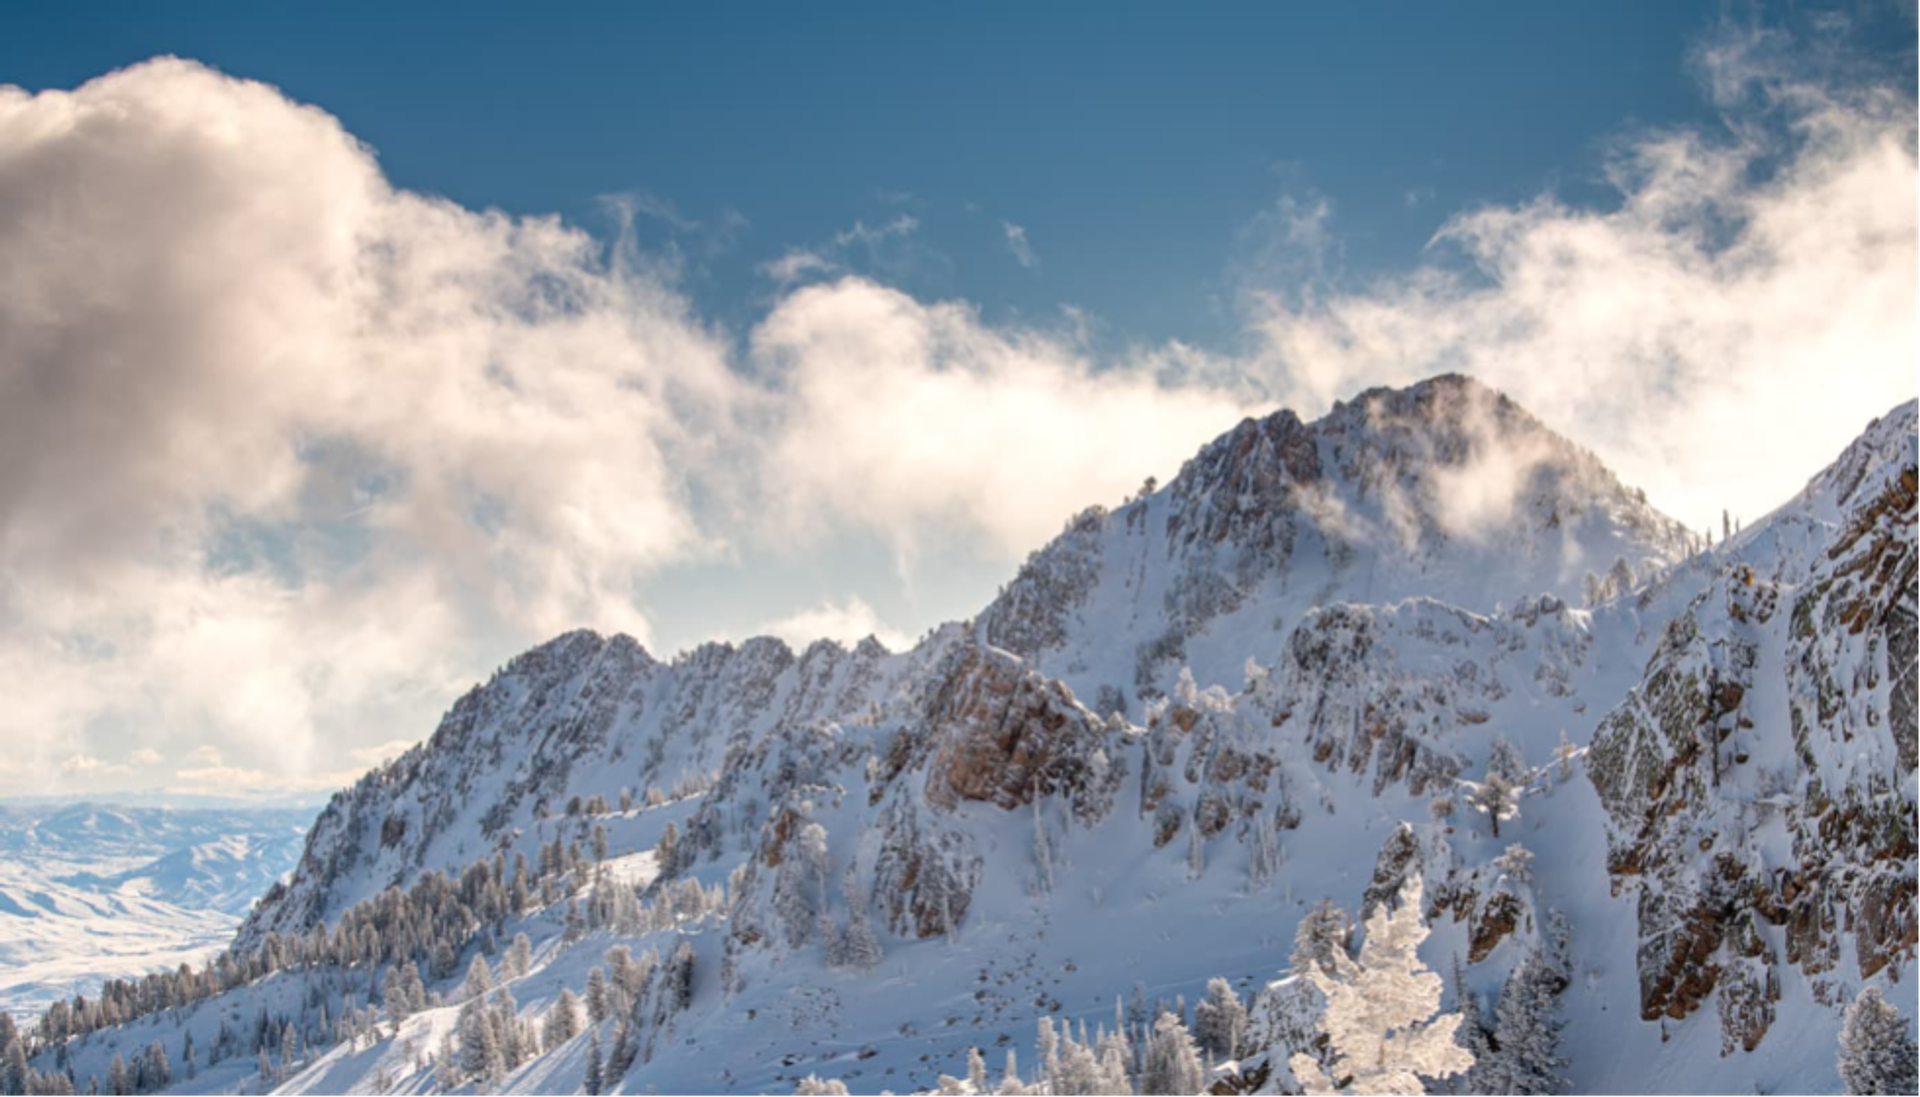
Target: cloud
{"x":898,"y":228}
{"x":887,"y":245}
{"x":285,"y":450}
{"x":239,"y":781}
{"x":903,"y":417}
{"x":381,"y":752}
{"x":1717,"y":335}
{"x":289,"y":456}
{"x":796,"y":265}
{"x":1018,"y":245}
{"x":848,"y":621}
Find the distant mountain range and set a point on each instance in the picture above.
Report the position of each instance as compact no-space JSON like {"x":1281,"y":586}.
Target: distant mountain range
{"x":90,"y":890}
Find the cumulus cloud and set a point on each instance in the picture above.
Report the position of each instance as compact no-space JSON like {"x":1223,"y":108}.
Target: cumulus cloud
{"x":905,"y":417}
{"x":283,"y":447}
{"x":1717,"y":335}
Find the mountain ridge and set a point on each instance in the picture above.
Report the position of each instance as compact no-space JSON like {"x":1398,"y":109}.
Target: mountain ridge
{"x":1060,"y":762}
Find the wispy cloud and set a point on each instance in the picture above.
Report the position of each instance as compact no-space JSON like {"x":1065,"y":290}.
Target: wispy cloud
{"x":1018,"y":245}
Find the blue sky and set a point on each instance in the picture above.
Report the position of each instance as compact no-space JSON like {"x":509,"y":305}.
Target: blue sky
{"x":1135,"y":143}
{"x":364,"y":346}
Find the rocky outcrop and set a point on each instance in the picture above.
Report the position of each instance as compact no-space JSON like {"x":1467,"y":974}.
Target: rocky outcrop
{"x":1693,"y":768}
{"x":998,"y":733}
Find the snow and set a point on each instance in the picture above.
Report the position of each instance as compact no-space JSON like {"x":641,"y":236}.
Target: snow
{"x":1356,"y":716}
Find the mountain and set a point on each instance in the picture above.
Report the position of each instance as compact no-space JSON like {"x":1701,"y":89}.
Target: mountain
{"x":1423,"y":636}
{"x":89,"y":891}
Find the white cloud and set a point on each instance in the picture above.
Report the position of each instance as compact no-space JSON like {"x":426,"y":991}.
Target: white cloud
{"x":904,"y":417}
{"x":862,"y":234}
{"x":1717,"y":337}
{"x":1018,"y":245}
{"x":243,"y":782}
{"x":381,"y":752}
{"x":849,"y":621}
{"x":145,"y":756}
{"x":285,"y":451}
{"x":796,"y":265}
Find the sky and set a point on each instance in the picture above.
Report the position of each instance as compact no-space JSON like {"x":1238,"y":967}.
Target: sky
{"x":348,"y":350}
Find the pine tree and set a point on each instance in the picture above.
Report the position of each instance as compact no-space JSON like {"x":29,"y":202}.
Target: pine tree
{"x":519,"y":959}
{"x":1172,"y":1062}
{"x":976,"y":1070}
{"x":1877,"y":1053}
{"x":159,"y":1071}
{"x":1526,"y":1030}
{"x":1324,"y":934}
{"x":596,"y":996}
{"x":595,"y":1081}
{"x":1380,"y":1010}
{"x":1472,"y":1034}
{"x":479,"y":979}
{"x":563,"y":1020}
{"x":1220,"y":1020}
{"x":480,"y":1055}
{"x":15,"y":1074}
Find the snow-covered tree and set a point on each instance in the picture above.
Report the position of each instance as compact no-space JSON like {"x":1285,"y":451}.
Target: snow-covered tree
{"x":815,"y":1086}
{"x":1325,"y":932}
{"x":14,"y":1075}
{"x":597,"y":995}
{"x":1516,"y":864}
{"x":480,"y":1055}
{"x":479,"y":979}
{"x":563,"y":1020}
{"x":1877,"y":1052}
{"x":1220,"y":1020}
{"x":594,"y":1081}
{"x":1526,"y":1032}
{"x":1473,"y":1033}
{"x":1380,"y":1012}
{"x":519,"y":959}
{"x":159,"y":1072}
{"x":1172,"y":1061}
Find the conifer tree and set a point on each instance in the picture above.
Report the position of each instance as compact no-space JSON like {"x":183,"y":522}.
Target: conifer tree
{"x":594,"y":1082}
{"x":563,"y":1020}
{"x":1877,"y":1053}
{"x":1172,"y":1062}
{"x":1526,"y":1031}
{"x":1380,"y":1010}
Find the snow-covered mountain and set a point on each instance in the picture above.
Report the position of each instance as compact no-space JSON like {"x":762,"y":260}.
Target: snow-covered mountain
{"x":1424,"y":636}
{"x":91,"y":891}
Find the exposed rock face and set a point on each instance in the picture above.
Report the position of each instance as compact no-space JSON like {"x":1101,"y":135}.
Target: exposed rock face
{"x":1002,"y":735}
{"x":1693,"y":768}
